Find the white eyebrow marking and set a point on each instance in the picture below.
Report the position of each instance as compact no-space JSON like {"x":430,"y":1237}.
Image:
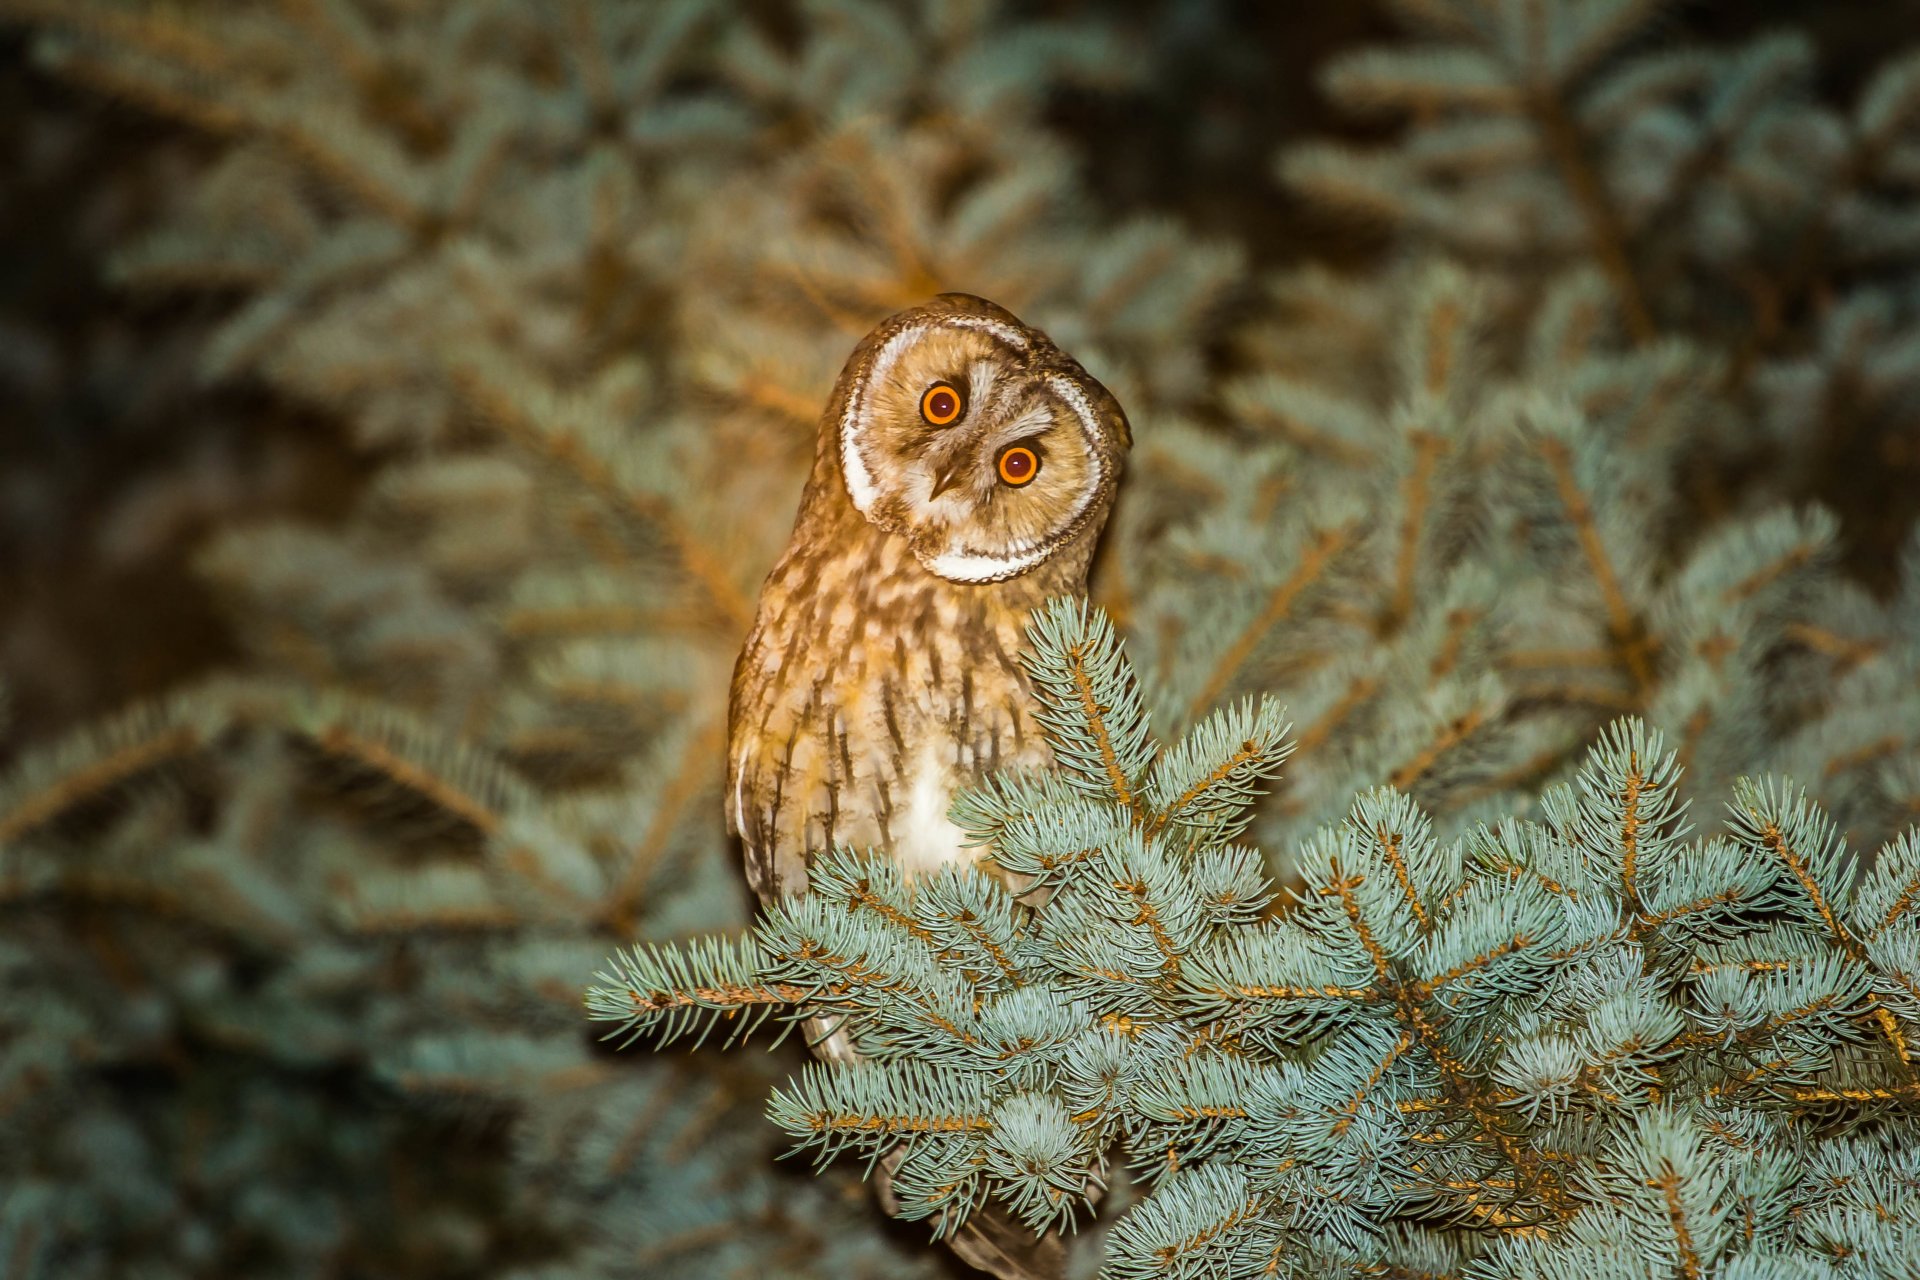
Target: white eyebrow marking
{"x":1036,"y":421}
{"x":1005,"y":333}
{"x":981,"y":375}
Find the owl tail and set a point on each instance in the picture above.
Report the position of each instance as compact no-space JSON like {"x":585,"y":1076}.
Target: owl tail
{"x":1000,"y":1246}
{"x":992,"y":1240}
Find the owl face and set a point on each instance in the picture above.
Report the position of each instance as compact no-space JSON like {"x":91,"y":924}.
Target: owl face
{"x":977,"y":439}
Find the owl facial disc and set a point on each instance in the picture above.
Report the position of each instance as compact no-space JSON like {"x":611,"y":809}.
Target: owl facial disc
{"x":977,"y":439}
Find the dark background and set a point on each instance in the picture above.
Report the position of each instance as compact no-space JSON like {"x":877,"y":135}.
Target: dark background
{"x":114,"y":457}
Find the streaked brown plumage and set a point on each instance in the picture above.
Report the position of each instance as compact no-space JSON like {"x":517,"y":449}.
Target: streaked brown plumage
{"x":871,"y":687}
{"x":880,"y":676}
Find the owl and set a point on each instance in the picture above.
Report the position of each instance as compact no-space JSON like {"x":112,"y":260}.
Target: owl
{"x":963,"y":469}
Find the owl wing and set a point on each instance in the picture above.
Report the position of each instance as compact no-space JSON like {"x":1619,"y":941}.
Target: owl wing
{"x":753,"y":811}
{"x":789,"y":792}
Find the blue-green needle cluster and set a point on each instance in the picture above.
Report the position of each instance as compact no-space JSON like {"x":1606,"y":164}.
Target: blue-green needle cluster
{"x":1593,"y":1042}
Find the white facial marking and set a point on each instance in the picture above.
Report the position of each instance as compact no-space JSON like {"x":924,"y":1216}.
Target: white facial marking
{"x":1007,"y":334}
{"x":977,"y":566}
{"x":860,"y":483}
{"x":1035,"y":420}
{"x":981,"y":375}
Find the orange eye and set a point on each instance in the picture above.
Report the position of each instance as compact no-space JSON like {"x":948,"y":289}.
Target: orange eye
{"x":1018,"y":465}
{"x":941,"y":404}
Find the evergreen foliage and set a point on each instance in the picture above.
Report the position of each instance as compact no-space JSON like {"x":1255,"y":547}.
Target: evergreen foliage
{"x":1592,"y":1043}
{"x":1564,"y":457}
{"x":292,"y":955}
{"x":479,"y":740}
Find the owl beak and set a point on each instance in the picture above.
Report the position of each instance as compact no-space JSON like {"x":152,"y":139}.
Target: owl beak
{"x":945,"y":478}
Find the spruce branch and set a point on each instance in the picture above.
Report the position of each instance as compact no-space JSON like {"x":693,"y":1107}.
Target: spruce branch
{"x":1480,"y":1049}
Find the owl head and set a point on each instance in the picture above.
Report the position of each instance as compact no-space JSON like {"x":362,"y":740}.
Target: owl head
{"x":975,"y":438}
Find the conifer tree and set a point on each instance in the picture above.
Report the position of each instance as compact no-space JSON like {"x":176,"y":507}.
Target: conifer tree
{"x":1593,"y":1043}
{"x":1554,"y":462}
{"x":283,"y":947}
{"x":475,"y":739}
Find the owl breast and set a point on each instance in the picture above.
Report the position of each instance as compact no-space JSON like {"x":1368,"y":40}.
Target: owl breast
{"x":862,"y":703}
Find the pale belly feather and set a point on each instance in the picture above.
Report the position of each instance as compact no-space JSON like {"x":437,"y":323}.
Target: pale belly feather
{"x":925,"y":838}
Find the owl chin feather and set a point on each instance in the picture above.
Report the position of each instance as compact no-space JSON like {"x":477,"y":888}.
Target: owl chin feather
{"x":967,"y":566}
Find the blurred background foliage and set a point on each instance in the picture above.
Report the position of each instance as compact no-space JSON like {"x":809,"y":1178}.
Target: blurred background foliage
{"x":404,"y":399}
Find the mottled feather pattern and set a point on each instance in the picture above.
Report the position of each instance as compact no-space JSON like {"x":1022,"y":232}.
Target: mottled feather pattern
{"x":862,"y":672}
{"x":871,"y":688}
